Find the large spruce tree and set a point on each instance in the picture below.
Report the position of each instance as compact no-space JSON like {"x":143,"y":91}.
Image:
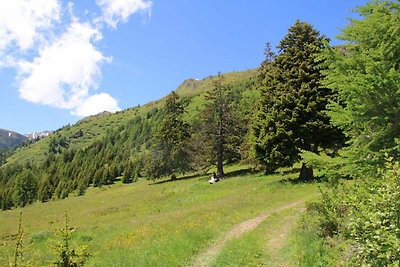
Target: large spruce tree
{"x":290,"y":115}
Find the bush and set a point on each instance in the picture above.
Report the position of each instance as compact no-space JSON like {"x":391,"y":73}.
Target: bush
{"x":367,"y":214}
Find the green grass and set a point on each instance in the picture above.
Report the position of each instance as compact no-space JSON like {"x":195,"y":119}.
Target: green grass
{"x":151,"y":225}
{"x":264,"y":246}
{"x":305,"y":248}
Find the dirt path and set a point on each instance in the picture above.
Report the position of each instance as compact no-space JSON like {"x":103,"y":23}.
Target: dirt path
{"x":278,"y":236}
{"x":208,"y":256}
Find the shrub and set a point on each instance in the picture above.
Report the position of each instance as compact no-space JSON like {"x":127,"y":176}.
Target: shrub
{"x":367,"y":214}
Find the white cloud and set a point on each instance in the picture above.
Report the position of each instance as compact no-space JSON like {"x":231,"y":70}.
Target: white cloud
{"x":115,"y":11}
{"x":96,"y":104}
{"x":64,"y":72}
{"x":22,"y":20}
{"x":55,"y":54}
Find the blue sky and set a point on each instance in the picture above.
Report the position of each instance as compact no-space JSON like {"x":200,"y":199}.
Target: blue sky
{"x":61,"y":61}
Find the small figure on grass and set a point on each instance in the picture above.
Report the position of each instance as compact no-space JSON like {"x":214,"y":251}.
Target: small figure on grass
{"x":214,"y":178}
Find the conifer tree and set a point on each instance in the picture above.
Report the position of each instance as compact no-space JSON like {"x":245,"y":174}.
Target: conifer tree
{"x":127,"y":176}
{"x":67,"y":256}
{"x":170,"y":154}
{"x":45,"y":189}
{"x":26,"y":188}
{"x":221,"y":129}
{"x":290,"y":115}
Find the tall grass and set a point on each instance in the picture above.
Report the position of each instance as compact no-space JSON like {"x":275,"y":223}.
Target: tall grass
{"x":151,"y":225}
{"x":305,"y":248}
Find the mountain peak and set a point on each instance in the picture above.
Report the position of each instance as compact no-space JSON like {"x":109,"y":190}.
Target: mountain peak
{"x":10,"y":139}
{"x":190,"y":83}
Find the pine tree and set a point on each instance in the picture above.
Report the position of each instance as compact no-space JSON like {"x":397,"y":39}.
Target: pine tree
{"x":127,"y":176}
{"x":67,"y":256}
{"x":290,"y":115}
{"x":220,"y":130}
{"x":170,"y":154}
{"x":26,"y":188}
{"x":45,"y":189}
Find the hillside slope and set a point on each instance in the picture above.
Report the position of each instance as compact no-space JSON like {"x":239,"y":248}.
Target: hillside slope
{"x":99,"y":150}
{"x":87,"y":130}
{"x":9,"y":139}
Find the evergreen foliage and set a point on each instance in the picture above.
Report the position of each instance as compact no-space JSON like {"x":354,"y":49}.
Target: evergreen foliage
{"x":25,"y":189}
{"x":67,"y":256}
{"x":310,"y":94}
{"x":18,"y":254}
{"x":57,"y":143}
{"x":170,"y":152}
{"x":290,"y":114}
{"x":68,"y":169}
{"x":127,"y":175}
{"x":76,"y":157}
{"x":221,"y":132}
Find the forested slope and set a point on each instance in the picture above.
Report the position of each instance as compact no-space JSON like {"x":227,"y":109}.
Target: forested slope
{"x":85,"y":131}
{"x":97,"y":150}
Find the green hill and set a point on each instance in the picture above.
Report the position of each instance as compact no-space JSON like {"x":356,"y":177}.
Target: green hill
{"x":100,"y":149}
{"x":9,"y":139}
{"x":87,"y":130}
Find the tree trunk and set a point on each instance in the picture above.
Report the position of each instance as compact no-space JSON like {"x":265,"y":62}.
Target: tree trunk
{"x":306,"y":173}
{"x":269,"y":170}
{"x":220,"y":148}
{"x":220,"y":169}
{"x":220,"y":160}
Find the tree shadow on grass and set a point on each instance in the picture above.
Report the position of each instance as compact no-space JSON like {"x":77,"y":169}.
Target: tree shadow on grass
{"x":317,"y":179}
{"x":187,"y":177}
{"x":241,"y":172}
{"x":228,"y":175}
{"x":290,"y":171}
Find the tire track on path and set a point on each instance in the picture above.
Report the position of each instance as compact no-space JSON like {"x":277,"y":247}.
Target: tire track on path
{"x":207,"y":257}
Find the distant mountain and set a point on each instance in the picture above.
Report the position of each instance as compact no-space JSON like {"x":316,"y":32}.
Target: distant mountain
{"x":38,"y":135}
{"x":9,"y":139}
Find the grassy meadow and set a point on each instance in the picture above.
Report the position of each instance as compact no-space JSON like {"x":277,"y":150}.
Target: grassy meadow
{"x":164,"y":224}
